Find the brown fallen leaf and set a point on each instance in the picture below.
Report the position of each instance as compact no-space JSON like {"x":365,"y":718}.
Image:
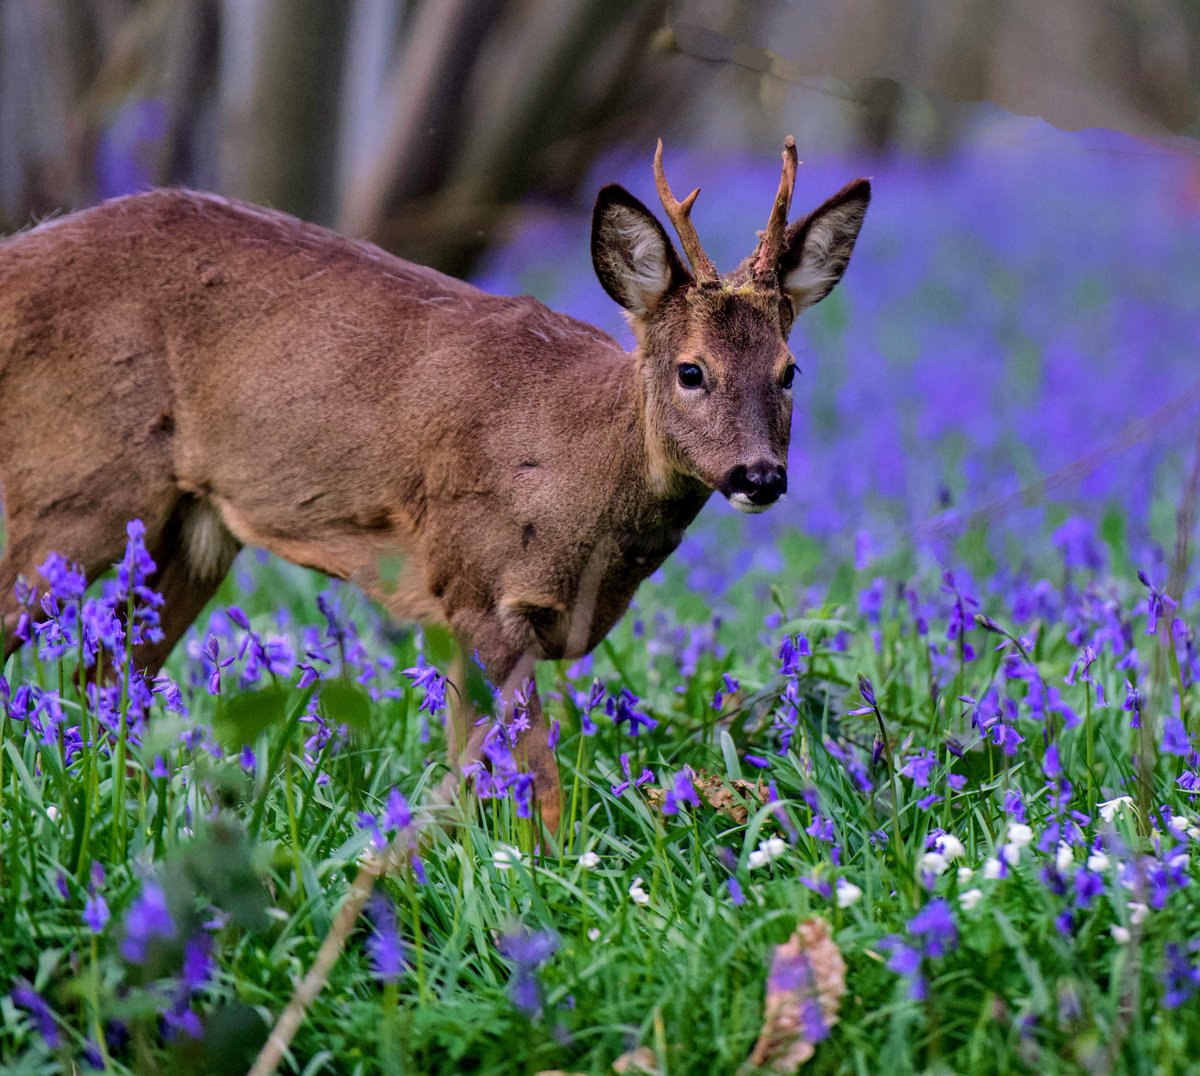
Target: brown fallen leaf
{"x":641,"y":1060}
{"x":804,"y":992}
{"x":721,"y":794}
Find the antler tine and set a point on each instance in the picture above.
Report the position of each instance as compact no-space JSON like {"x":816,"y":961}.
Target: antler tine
{"x":771,"y":245}
{"x":679,"y":213}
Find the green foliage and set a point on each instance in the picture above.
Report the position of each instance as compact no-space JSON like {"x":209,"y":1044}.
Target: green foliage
{"x":258,"y":856}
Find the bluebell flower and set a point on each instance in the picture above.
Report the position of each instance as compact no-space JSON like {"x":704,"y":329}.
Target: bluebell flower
{"x":622,"y":708}
{"x":384,"y":946}
{"x":528,"y":951}
{"x":95,"y":913}
{"x":27,"y":998}
{"x":1175,"y":740}
{"x":1180,"y":976}
{"x":146,"y":920}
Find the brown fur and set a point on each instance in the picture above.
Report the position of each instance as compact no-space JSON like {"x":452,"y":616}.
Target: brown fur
{"x":209,"y":366}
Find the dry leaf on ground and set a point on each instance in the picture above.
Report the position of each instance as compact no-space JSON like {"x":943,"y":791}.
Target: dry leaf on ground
{"x":804,"y":992}
{"x":721,"y":794}
{"x":640,"y":1061}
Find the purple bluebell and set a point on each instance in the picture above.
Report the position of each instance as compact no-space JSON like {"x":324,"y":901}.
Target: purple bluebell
{"x":384,"y":946}
{"x":147,"y":919}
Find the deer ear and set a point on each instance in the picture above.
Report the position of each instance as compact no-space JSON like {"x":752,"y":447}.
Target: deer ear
{"x":634,"y":259}
{"x":817,"y":249}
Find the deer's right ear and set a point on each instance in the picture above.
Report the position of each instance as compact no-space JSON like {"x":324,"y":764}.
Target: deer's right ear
{"x":634,"y":259}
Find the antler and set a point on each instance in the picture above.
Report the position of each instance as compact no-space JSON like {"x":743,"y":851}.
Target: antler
{"x":771,"y":244}
{"x":679,"y":214}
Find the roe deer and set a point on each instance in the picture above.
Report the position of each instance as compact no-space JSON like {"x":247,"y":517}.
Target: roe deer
{"x":231,"y":375}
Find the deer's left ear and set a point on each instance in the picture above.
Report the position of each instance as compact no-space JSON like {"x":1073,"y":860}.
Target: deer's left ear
{"x":817,"y":249}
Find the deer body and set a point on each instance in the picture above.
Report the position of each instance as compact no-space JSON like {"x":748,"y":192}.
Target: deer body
{"x":231,"y":375}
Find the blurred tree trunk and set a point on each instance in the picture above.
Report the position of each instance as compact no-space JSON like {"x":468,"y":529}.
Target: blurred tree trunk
{"x":531,"y":111}
{"x":419,"y":113}
{"x":282,"y":71}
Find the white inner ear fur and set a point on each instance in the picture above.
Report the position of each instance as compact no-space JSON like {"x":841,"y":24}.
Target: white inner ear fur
{"x":824,"y":256}
{"x":643,"y":267}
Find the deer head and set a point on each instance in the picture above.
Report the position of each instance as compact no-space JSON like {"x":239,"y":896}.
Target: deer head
{"x":717,"y":374}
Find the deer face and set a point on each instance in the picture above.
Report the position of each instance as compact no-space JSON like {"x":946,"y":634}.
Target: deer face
{"x":718,"y":376}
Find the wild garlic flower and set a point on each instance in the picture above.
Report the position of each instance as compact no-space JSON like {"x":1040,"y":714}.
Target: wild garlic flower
{"x":1108,"y":809}
{"x":847,"y":893}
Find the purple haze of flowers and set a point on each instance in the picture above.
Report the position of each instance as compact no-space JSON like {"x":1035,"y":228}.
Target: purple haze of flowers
{"x":528,"y":951}
{"x":1076,"y":541}
{"x":148,"y":918}
{"x":26,"y":997}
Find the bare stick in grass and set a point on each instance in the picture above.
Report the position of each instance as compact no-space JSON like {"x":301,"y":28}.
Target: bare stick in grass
{"x":288,"y":1024}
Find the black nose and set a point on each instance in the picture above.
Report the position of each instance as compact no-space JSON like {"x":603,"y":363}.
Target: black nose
{"x":762,"y":482}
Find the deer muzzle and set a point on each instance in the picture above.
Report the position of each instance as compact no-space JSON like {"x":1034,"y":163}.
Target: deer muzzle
{"x":755,"y":487}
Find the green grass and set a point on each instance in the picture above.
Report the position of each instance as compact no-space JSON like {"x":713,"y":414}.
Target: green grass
{"x":266,"y":858}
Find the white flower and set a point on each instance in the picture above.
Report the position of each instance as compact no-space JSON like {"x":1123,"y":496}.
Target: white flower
{"x":770,"y":849}
{"x":1011,"y":853}
{"x":992,"y":868}
{"x":1019,"y":834}
{"x":1097,"y":862}
{"x":774,"y":847}
{"x":593,"y":934}
{"x":951,"y":847}
{"x":1064,"y":857}
{"x":1137,"y":912}
{"x":970,"y":898}
{"x":1109,"y":809}
{"x":965,"y":874}
{"x":589,"y":861}
{"x":1120,"y":934}
{"x":847,"y":893}
{"x":505,"y":856}
{"x":1177,"y":824}
{"x":1194,"y":832}
{"x":52,"y":813}
{"x":933,"y":863}
{"x":639,"y":895}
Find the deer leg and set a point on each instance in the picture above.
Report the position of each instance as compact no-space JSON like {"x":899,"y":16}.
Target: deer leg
{"x":512,"y":670}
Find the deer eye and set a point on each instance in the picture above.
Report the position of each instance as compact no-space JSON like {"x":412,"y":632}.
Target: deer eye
{"x":789,"y":375}
{"x":690,"y":375}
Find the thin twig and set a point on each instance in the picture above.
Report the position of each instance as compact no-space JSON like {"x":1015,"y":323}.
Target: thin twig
{"x":310,"y":986}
